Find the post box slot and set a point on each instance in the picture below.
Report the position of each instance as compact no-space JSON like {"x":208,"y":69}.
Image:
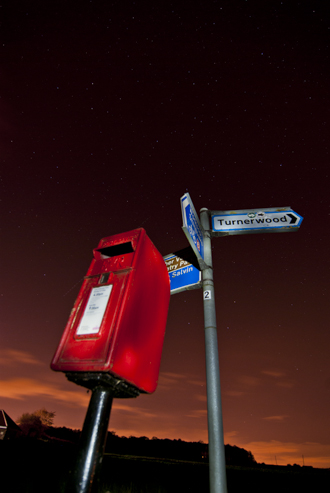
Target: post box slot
{"x":117,"y":250}
{"x":104,"y":278}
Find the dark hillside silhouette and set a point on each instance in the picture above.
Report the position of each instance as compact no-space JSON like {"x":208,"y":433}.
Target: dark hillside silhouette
{"x":63,"y":433}
{"x":236,"y":456}
{"x":174,"y":449}
{"x":39,"y":425}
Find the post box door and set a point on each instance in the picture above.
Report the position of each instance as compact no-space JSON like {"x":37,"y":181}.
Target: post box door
{"x":92,"y":324}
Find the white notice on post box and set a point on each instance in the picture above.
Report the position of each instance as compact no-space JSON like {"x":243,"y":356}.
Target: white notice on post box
{"x":94,"y":311}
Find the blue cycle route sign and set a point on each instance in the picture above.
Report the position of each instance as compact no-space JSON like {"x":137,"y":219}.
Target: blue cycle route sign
{"x":183,"y":275}
{"x":192,"y":226}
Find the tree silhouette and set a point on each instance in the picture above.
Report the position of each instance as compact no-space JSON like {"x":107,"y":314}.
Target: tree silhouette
{"x":35,"y":424}
{"x":46,"y":417}
{"x":237,"y":456}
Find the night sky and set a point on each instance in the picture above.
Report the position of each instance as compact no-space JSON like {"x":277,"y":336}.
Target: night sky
{"x":109,"y":113}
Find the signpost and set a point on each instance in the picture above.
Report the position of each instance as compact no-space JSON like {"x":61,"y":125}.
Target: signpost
{"x":245,"y":221}
{"x":217,"y":462}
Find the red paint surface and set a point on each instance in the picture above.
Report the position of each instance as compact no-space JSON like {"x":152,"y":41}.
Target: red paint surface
{"x":130,"y":340}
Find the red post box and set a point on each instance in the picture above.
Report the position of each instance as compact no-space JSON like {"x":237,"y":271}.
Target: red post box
{"x":117,"y":325}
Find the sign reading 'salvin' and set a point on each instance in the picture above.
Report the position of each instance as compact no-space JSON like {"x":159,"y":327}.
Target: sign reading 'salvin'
{"x":183,"y":275}
{"x":192,"y":227}
{"x":247,"y":221}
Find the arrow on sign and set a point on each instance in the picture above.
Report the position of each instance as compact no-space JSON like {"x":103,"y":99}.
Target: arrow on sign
{"x":294,"y":218}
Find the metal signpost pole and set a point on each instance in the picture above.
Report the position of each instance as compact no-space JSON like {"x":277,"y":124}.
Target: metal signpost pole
{"x":92,"y":441}
{"x":217,"y":464}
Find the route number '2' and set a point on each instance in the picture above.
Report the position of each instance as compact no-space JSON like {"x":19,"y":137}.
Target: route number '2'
{"x":207,"y":295}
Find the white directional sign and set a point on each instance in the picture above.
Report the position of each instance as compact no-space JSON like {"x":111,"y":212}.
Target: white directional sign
{"x":280,"y":219}
{"x":192,"y":227}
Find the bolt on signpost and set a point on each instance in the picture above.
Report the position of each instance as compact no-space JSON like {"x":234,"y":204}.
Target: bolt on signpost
{"x":245,"y":221}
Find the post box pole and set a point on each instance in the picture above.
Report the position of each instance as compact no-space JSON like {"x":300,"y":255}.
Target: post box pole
{"x":92,"y":441}
{"x":217,"y":463}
